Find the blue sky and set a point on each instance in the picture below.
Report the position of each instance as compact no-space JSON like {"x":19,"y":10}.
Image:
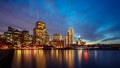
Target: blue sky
{"x":96,"y":21}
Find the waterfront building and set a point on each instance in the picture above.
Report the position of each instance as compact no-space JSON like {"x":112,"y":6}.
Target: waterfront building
{"x":57,"y":37}
{"x":79,"y":42}
{"x":66,"y":41}
{"x":30,"y":39}
{"x":57,"y":41}
{"x":9,"y":35}
{"x":47,"y":39}
{"x":26,"y":38}
{"x":57,"y":44}
{"x":70,"y":36}
{"x":12,"y":36}
{"x":41,"y":37}
{"x":17,"y":38}
{"x":2,"y":36}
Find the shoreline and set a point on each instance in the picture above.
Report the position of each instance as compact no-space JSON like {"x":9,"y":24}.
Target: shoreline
{"x":65,"y":49}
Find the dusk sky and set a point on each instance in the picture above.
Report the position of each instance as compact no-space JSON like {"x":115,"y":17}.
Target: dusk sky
{"x":96,"y":21}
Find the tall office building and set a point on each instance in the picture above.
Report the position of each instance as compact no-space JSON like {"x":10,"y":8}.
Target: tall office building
{"x":79,"y":41}
{"x":9,"y":35}
{"x":40,"y":35}
{"x":17,"y":38}
{"x":70,"y":36}
{"x":26,"y":37}
{"x":13,"y":36}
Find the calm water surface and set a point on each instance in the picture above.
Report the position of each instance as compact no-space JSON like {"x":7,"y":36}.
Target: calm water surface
{"x":66,"y":59}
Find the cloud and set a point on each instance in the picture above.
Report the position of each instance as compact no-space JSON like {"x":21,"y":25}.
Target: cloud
{"x":111,"y":39}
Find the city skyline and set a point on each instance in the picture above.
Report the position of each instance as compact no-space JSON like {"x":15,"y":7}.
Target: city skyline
{"x":95,"y":21}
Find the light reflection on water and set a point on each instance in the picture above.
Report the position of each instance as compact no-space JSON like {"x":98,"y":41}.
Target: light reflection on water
{"x":62,"y":59}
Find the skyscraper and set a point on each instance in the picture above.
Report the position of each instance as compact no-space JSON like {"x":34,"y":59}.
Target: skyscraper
{"x":9,"y":35}
{"x":17,"y":37}
{"x":40,"y":34}
{"x":13,"y":36}
{"x":26,"y":37}
{"x":70,"y":36}
{"x":79,"y":41}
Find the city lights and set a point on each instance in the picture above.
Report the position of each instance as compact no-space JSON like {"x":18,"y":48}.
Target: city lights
{"x":17,"y":39}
